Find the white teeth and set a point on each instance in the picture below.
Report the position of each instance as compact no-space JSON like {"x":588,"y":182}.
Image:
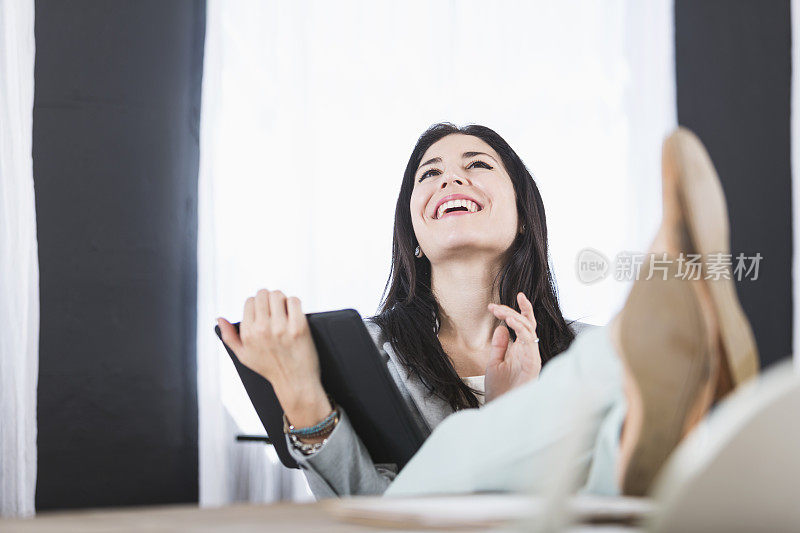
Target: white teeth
{"x":471,"y":206}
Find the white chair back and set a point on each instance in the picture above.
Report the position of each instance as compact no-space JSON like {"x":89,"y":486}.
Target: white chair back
{"x":740,"y":469}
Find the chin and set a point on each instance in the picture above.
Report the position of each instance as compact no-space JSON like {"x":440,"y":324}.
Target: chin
{"x":460,"y":246}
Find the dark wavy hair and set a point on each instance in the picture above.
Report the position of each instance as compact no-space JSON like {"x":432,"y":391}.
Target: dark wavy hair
{"x":409,"y":312}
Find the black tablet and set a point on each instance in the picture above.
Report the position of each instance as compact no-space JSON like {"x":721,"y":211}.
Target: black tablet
{"x":356,"y":377}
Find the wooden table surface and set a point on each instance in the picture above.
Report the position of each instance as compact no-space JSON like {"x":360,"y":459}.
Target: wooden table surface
{"x":298,"y":518}
{"x":235,"y":518}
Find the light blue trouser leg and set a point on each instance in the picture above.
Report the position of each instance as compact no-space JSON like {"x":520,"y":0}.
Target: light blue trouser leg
{"x":514,"y":442}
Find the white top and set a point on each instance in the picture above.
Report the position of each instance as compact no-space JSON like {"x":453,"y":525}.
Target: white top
{"x":477,"y":383}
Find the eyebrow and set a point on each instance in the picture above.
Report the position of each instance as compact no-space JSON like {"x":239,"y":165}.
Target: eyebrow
{"x":465,"y":155}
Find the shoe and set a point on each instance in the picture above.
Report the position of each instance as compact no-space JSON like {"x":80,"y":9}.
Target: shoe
{"x":690,"y":180}
{"x":666,"y":338}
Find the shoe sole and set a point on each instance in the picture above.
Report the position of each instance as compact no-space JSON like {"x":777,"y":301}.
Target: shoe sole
{"x":703,"y":205}
{"x":670,"y":358}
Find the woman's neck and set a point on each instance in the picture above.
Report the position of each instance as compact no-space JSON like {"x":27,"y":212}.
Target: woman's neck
{"x":463,"y":290}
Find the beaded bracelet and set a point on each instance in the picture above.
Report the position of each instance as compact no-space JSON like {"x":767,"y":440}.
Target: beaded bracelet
{"x":306,"y":448}
{"x":323,"y":429}
{"x":313,"y":431}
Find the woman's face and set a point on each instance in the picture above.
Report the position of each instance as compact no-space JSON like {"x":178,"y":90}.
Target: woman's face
{"x":484,"y":219}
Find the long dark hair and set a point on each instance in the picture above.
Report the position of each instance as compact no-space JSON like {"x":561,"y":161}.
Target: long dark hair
{"x":409,"y":312}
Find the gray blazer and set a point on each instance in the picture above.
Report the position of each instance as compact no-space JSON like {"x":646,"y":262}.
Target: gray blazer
{"x":343,"y":467}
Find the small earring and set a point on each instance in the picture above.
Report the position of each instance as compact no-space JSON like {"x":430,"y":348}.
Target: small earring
{"x":418,"y":252}
{"x":522,"y":230}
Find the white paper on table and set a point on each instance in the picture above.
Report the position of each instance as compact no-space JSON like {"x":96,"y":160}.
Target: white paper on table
{"x":481,"y":510}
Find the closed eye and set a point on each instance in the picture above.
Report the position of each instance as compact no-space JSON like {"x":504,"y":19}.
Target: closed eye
{"x":430,"y":172}
{"x":427,"y":173}
{"x":478,"y":161}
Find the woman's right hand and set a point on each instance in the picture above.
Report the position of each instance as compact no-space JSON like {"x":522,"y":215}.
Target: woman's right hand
{"x":513,"y":363}
{"x":275,"y":341}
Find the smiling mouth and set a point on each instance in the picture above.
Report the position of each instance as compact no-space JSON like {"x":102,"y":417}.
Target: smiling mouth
{"x":457,"y":206}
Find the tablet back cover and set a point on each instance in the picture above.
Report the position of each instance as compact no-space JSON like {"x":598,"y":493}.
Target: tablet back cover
{"x":354,"y":374}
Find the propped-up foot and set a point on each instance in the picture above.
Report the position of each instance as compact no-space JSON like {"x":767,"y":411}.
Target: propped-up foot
{"x":690,"y":182}
{"x":682,"y":336}
{"x":666,"y":338}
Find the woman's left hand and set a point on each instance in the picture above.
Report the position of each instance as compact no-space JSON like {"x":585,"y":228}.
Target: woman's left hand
{"x":513,"y":363}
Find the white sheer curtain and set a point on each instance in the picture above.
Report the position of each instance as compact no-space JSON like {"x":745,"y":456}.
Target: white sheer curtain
{"x":311,"y":109}
{"x":19,"y":263}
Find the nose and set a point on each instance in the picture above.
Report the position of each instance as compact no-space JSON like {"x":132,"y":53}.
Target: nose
{"x":452,"y":178}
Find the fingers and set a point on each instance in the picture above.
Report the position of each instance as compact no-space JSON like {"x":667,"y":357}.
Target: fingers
{"x":499,"y":345}
{"x":262,"y":305}
{"x":526,"y":307}
{"x":503,"y":312}
{"x":270,"y":309}
{"x":297,"y":321}
{"x":229,"y":335}
{"x":248,"y":317}
{"x":524,"y":323}
{"x":278,"y":313}
{"x":522,"y":329}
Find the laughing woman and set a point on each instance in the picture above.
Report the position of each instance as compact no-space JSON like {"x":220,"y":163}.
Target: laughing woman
{"x":471,"y":310}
